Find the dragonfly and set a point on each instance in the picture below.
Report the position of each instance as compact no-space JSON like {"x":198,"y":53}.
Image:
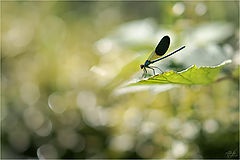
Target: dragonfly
{"x":158,"y":54}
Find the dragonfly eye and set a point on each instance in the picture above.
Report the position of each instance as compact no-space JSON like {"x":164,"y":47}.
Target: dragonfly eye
{"x":141,"y":66}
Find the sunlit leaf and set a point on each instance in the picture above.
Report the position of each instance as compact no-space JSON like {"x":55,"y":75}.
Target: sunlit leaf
{"x":192,"y":75}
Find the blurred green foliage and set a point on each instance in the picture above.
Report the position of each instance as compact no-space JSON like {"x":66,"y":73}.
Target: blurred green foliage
{"x":64,"y":65}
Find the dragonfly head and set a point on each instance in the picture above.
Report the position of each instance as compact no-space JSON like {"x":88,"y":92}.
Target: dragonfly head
{"x":146,"y":64}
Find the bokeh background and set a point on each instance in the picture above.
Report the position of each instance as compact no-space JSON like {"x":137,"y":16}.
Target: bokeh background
{"x":65,"y":66}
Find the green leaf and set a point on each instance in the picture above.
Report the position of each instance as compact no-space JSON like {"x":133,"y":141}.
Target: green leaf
{"x":192,"y":75}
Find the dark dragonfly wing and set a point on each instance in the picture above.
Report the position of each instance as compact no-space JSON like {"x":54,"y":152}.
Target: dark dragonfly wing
{"x":161,"y":48}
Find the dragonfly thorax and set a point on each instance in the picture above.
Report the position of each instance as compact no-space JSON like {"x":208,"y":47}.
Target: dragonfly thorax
{"x":147,"y":63}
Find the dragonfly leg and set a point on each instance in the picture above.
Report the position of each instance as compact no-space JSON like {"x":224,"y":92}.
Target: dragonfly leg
{"x":157,"y":68}
{"x":144,"y":72}
{"x":152,"y":70}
